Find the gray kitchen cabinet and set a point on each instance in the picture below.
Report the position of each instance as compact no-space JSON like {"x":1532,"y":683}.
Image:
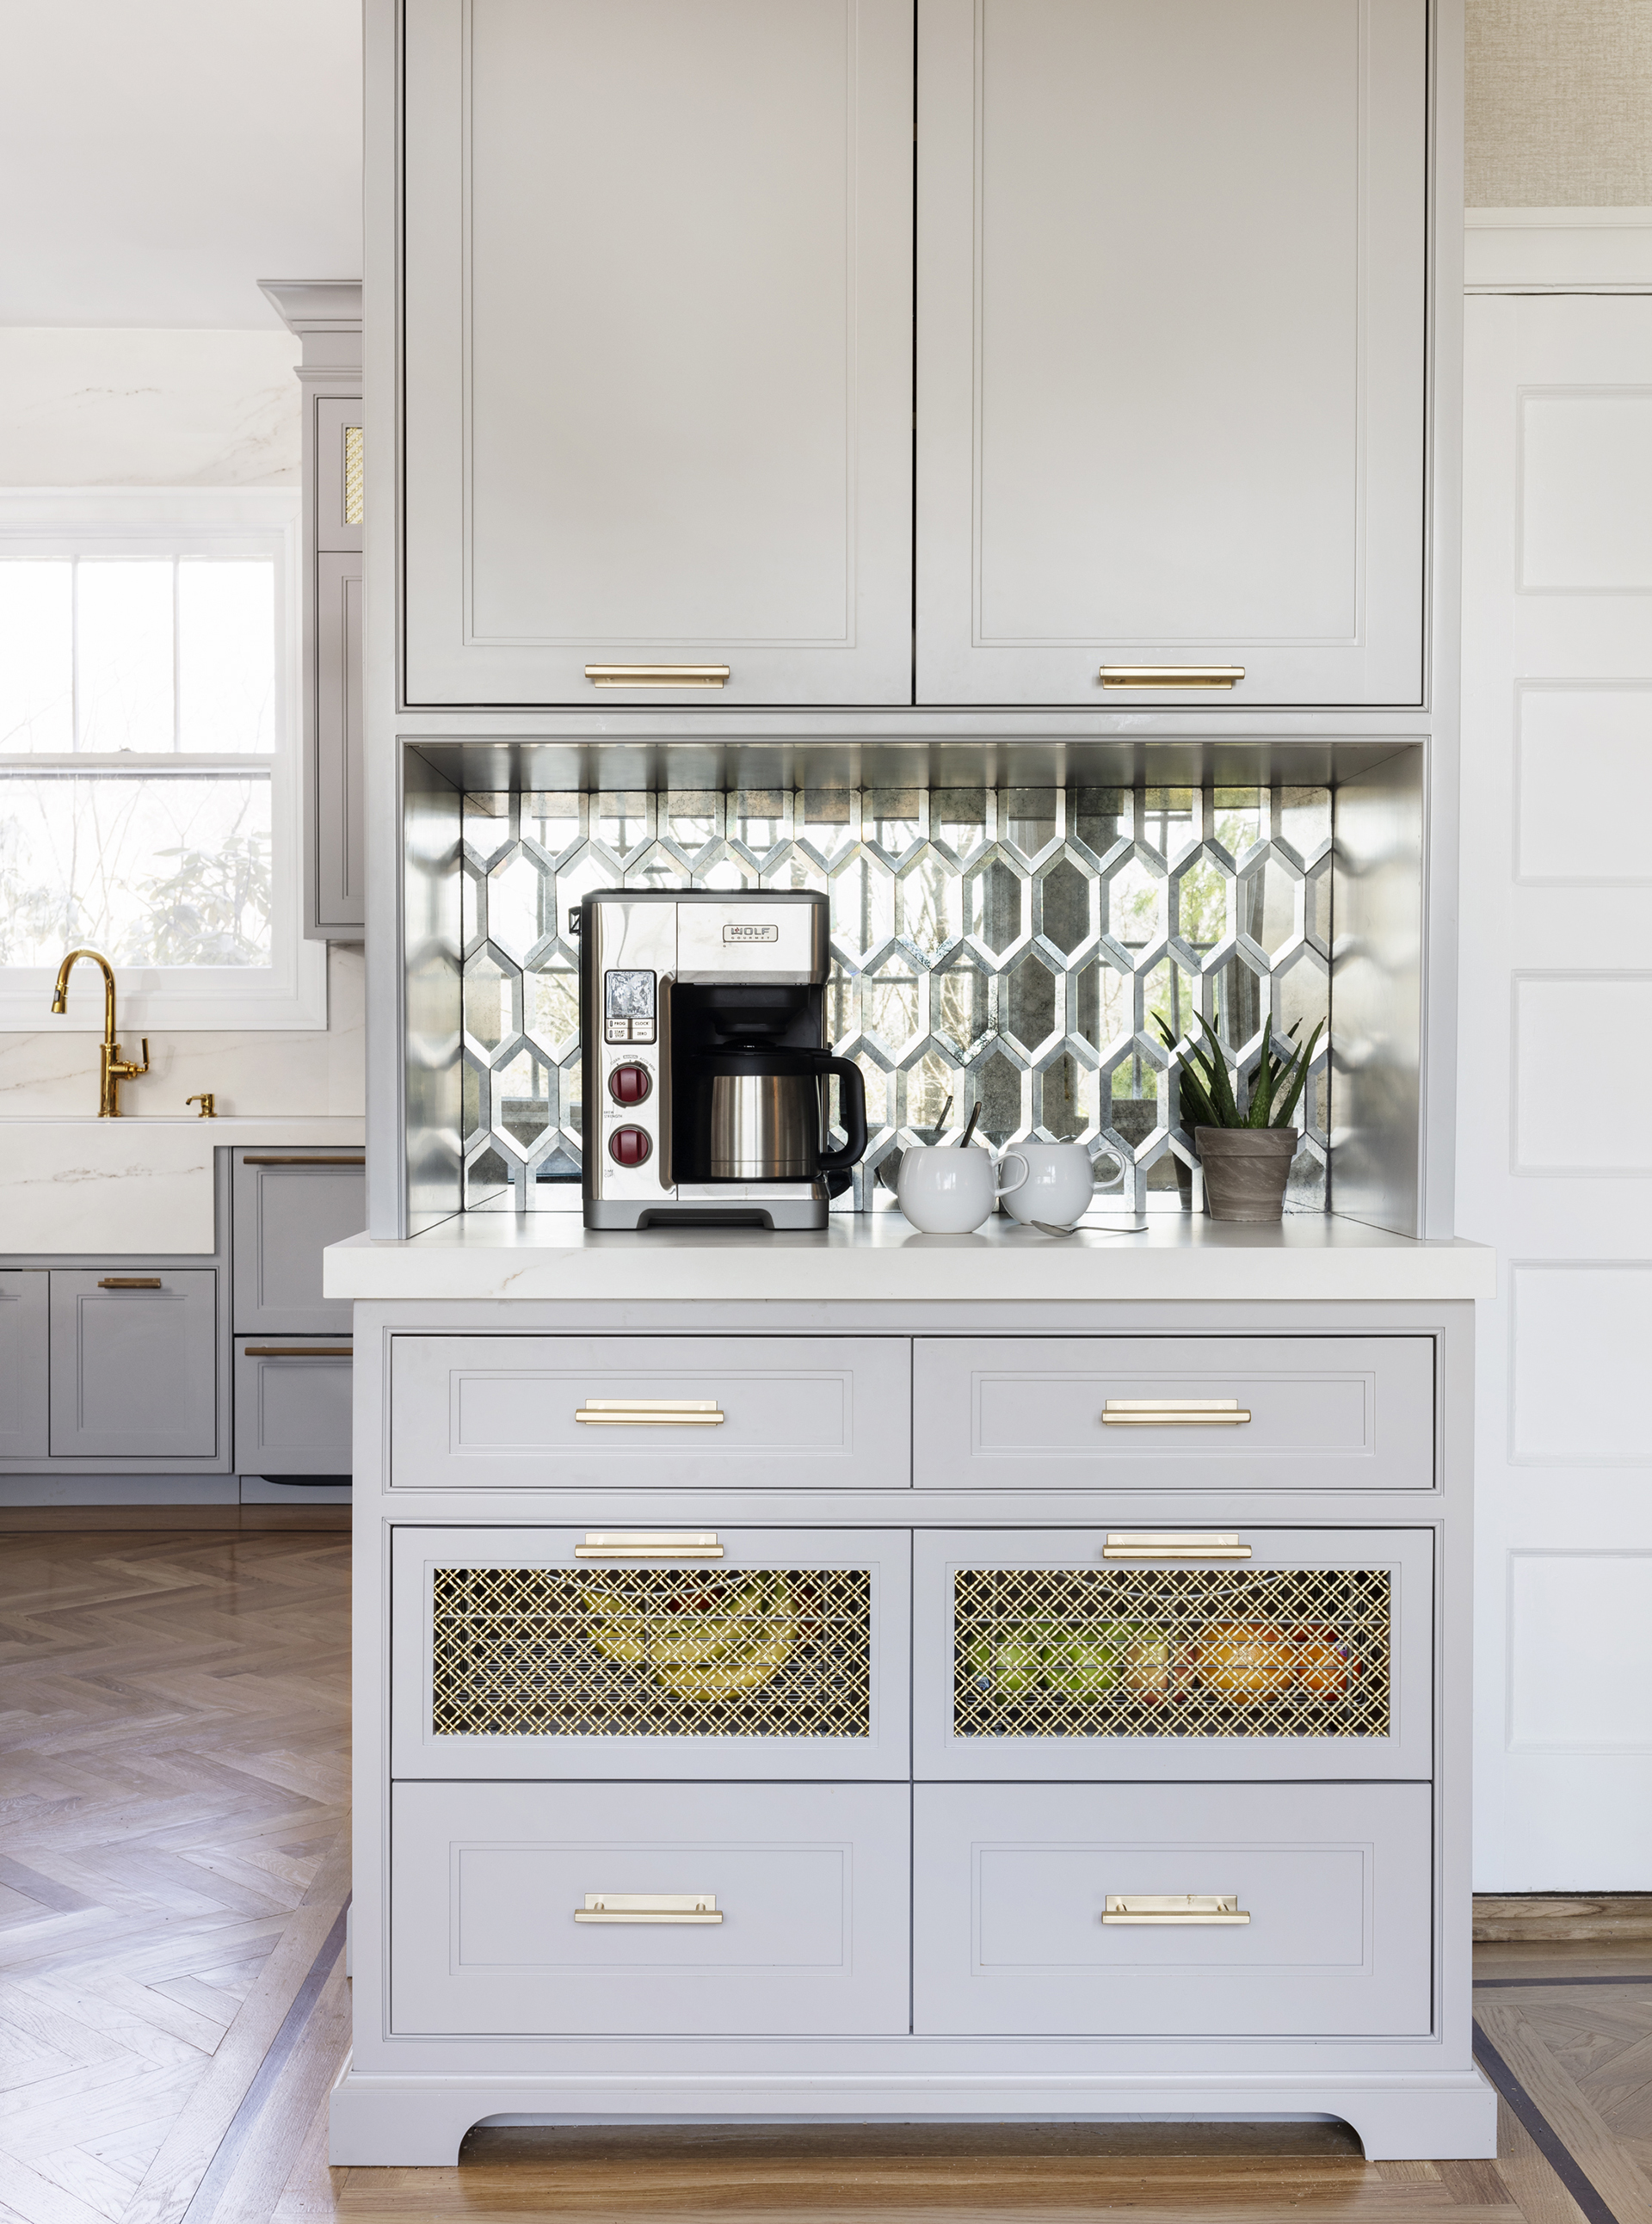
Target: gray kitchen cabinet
{"x":291,"y":1405}
{"x":1112,"y":1412}
{"x":1172,"y":354}
{"x":24,"y":1419}
{"x":338,"y":765}
{"x":809,"y":1883}
{"x":287,"y":1206}
{"x":1010,"y":1932}
{"x":658,"y":347}
{"x":134,"y":1364}
{"x":326,"y":317}
{"x":519,"y":1413}
{"x":724,"y":1653}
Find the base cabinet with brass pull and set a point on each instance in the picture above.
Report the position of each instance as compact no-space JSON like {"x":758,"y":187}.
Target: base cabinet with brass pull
{"x":756,"y":1909}
{"x":771,"y":1653}
{"x":1089,"y":1908}
{"x":1116,"y":1768}
{"x":1061,"y":1654}
{"x":134,"y":1371}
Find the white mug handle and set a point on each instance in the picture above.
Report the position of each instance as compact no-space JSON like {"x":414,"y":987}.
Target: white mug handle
{"x":1116,"y":1177}
{"x":1007,"y":1189}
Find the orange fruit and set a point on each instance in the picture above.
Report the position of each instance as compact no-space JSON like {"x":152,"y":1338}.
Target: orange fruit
{"x":1246,"y":1659}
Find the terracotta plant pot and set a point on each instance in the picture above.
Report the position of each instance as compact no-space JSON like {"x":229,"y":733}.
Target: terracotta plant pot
{"x":1246,"y":1170}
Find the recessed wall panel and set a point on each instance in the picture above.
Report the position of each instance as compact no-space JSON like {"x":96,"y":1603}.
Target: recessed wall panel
{"x":1577,"y":1370}
{"x":1585,"y":489}
{"x":1560,"y":1021}
{"x":1583,"y":796}
{"x":1580,"y":1652}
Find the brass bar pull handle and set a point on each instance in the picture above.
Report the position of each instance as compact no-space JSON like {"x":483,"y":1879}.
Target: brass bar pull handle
{"x":299,"y":1161}
{"x":1173,"y":1414}
{"x":1206,"y":676}
{"x":129,"y":1282}
{"x":1173,"y":1908}
{"x":658,"y":675}
{"x":649,"y":1544}
{"x":650,"y":1413}
{"x":648,"y":1907}
{"x":1178,"y":1545}
{"x":299,"y":1351}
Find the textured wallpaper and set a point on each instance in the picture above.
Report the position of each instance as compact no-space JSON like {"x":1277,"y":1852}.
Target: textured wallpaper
{"x":1560,"y":104}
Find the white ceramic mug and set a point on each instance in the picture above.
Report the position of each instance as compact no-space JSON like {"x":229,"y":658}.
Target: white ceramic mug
{"x":1057,"y":1183}
{"x":946,"y":1190}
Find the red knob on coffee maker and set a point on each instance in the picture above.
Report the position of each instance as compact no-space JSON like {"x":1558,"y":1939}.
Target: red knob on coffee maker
{"x":630,"y":1084}
{"x":629,"y":1146}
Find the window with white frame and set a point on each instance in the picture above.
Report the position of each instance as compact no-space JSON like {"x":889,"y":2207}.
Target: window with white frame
{"x":149,"y":792}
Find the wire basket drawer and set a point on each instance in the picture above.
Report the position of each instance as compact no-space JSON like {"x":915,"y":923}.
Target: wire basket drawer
{"x":1296,"y":1652}
{"x":556,"y":1651}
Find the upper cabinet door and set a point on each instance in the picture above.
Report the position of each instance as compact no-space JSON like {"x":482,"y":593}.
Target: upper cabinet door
{"x":658,"y":355}
{"x":1171,"y":349}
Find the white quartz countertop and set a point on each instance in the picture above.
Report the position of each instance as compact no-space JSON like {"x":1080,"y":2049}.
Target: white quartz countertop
{"x":880,"y":1256}
{"x":131,"y":1185}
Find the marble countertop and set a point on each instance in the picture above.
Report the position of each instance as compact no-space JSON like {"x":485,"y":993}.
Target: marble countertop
{"x":131,"y":1185}
{"x":880,"y":1256}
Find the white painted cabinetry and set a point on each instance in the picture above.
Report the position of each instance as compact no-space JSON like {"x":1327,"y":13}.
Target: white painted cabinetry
{"x":1171,"y":348}
{"x":658,"y":348}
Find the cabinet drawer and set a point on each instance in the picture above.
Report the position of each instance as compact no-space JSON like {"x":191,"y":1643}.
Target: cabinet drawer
{"x":134,"y":1363}
{"x":288,"y":1207}
{"x":810,"y":1882}
{"x":23,"y":1373}
{"x":1009,"y":1934}
{"x":291,"y":1405}
{"x":1038,"y":1656}
{"x":1324,"y":1412}
{"x":502,"y":1413}
{"x":528,"y":1653}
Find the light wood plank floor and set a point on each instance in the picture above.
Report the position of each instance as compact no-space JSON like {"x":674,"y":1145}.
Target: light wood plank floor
{"x":173,"y":2006}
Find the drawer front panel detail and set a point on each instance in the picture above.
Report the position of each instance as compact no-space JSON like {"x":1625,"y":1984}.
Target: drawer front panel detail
{"x":292,"y":1405}
{"x":520,"y":1413}
{"x":1168,"y":1651}
{"x":1014,"y":1932}
{"x":1089,"y":1412}
{"x":1037,"y":1658}
{"x":535,"y":1653}
{"x":808,"y":1883}
{"x":652,"y":1653}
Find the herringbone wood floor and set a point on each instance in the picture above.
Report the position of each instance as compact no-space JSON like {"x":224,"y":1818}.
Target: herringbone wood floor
{"x":173,"y":2006}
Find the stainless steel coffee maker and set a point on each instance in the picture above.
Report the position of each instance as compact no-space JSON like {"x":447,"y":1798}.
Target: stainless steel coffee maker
{"x":706,"y":1063}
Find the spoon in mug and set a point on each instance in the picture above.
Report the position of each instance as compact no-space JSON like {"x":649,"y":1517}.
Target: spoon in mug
{"x":969,"y":1126}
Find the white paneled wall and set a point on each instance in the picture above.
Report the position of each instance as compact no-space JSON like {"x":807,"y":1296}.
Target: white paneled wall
{"x":1554,"y":1152}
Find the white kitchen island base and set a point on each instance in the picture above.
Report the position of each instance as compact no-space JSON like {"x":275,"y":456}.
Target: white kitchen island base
{"x":982,"y":1732}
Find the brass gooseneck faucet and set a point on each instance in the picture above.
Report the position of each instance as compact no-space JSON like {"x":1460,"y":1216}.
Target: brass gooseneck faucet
{"x":112,"y":1068}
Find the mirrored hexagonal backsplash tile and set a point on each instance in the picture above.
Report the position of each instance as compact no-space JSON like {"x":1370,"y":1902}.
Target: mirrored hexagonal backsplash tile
{"x":1016,"y":947}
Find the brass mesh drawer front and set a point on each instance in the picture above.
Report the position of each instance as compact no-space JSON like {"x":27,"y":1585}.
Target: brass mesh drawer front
{"x":651,"y":1652}
{"x":1171,"y":1653}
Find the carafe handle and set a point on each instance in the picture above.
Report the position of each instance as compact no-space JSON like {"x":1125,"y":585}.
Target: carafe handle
{"x":851,"y":1100}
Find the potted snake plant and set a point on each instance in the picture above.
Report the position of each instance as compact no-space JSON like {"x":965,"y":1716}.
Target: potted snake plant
{"x":1246,"y":1155}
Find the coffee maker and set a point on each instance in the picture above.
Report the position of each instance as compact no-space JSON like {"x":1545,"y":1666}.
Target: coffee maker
{"x":705,"y":1065}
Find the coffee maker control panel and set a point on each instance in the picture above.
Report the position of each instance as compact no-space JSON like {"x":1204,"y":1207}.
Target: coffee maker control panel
{"x":631,"y":1006}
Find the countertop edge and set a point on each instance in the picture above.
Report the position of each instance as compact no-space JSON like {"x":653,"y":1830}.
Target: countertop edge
{"x":1427,"y":1274}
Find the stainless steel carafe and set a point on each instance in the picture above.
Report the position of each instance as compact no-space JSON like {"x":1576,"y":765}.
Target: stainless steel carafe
{"x":760,"y":1113}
